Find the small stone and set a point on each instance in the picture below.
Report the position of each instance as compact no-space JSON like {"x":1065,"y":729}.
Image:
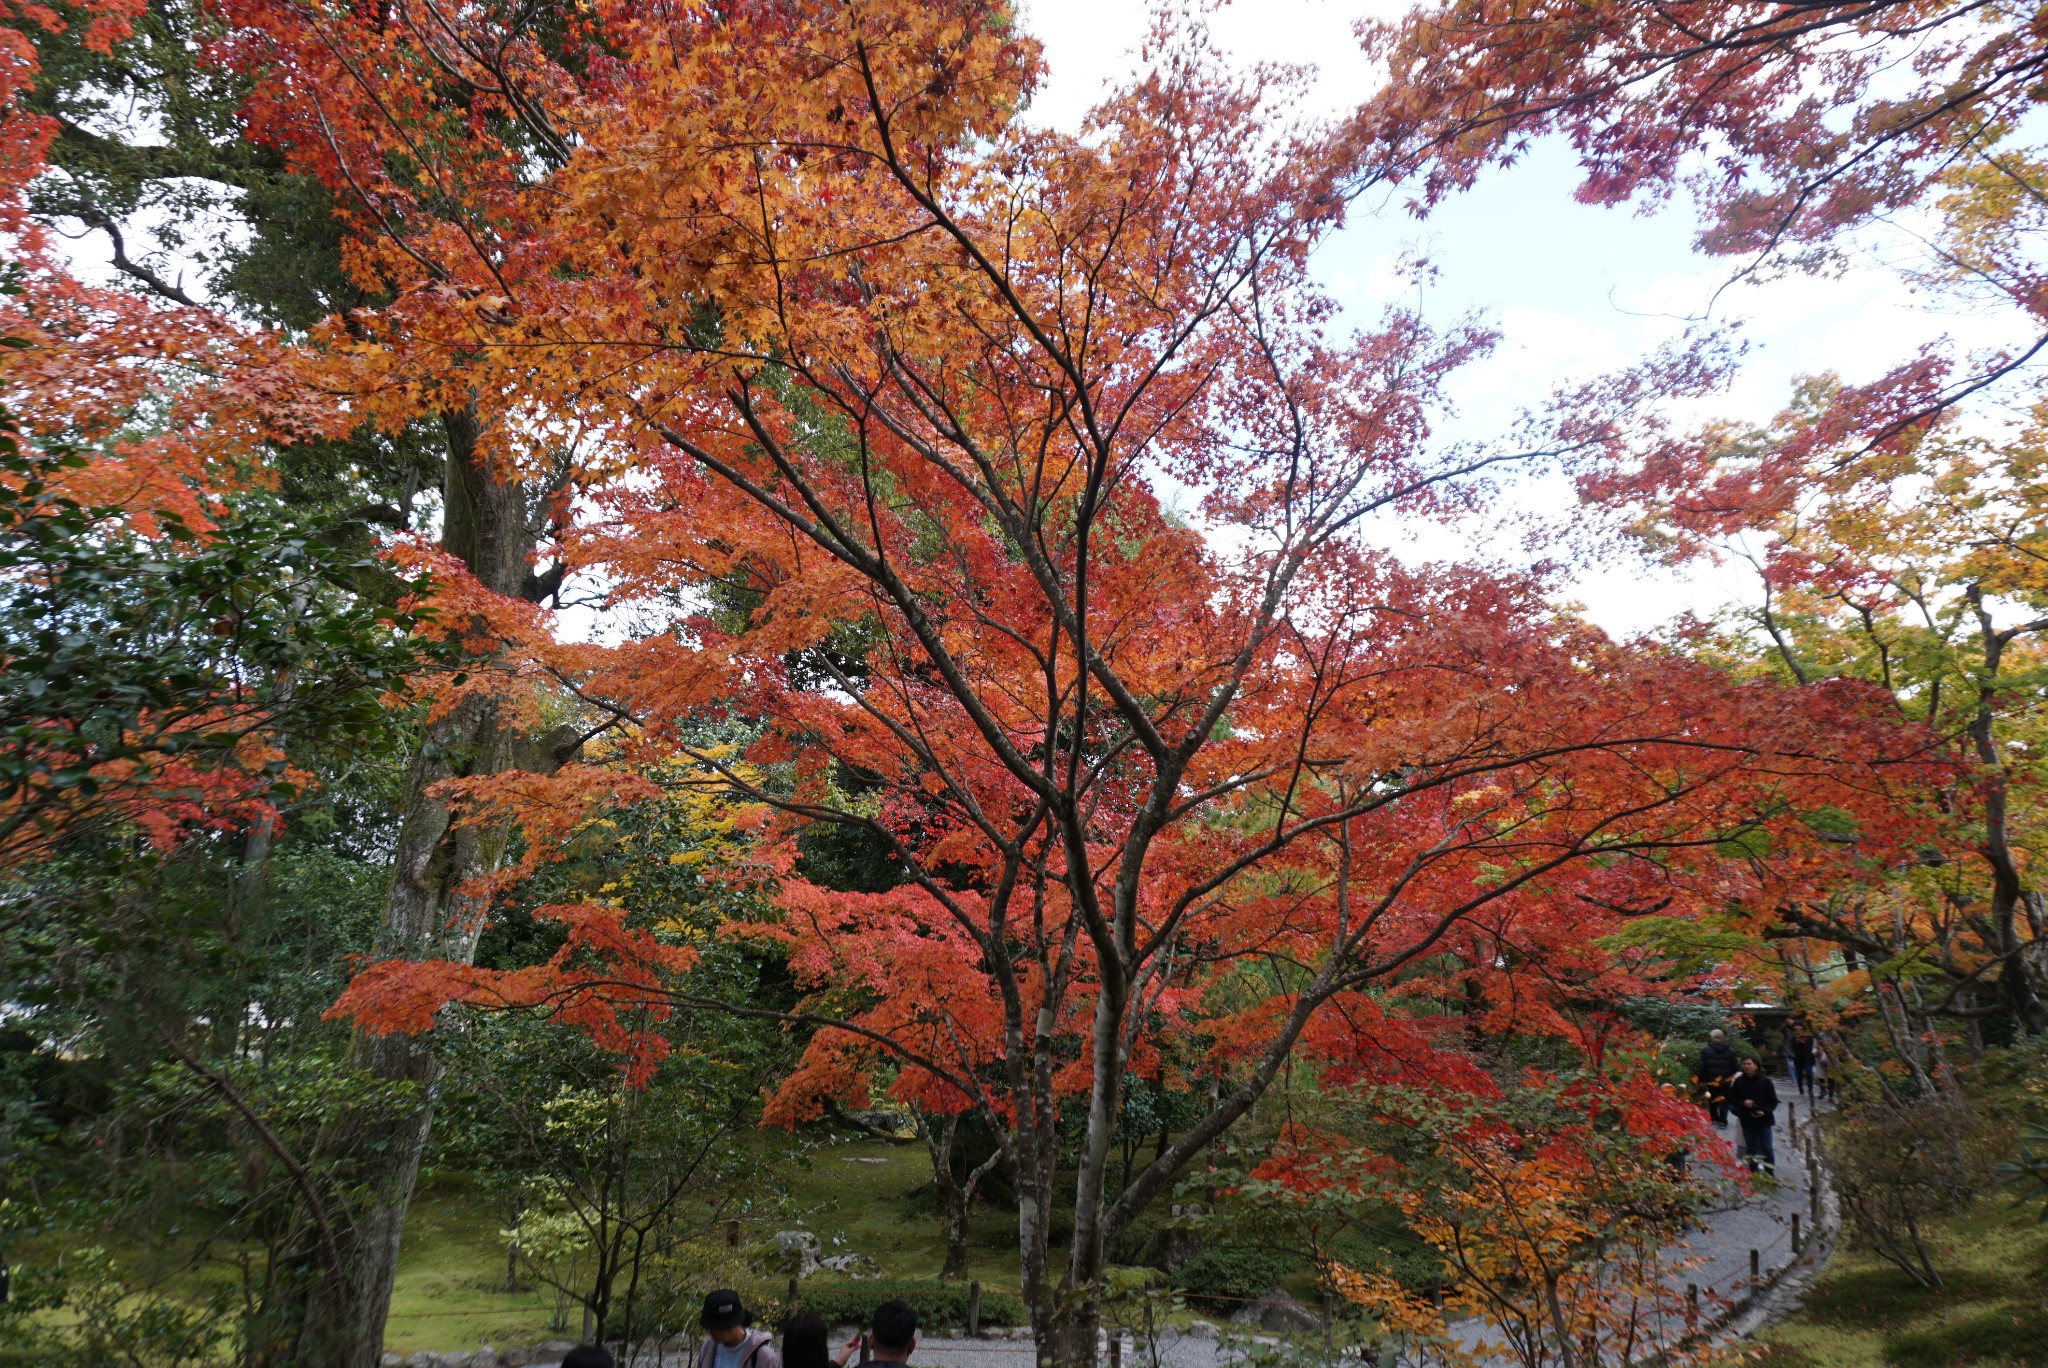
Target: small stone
{"x":851,"y":1266}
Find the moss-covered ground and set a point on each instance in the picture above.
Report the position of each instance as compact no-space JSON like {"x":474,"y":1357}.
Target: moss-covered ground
{"x":1990,"y":1312}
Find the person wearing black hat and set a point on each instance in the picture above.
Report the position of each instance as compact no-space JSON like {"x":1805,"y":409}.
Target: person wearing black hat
{"x":728,"y":1343}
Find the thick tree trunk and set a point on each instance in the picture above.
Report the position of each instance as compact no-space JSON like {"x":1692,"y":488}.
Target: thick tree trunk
{"x":1070,"y":1340}
{"x":427,"y":916}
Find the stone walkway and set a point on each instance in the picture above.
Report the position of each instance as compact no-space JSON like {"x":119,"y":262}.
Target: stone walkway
{"x":1716,"y":1259}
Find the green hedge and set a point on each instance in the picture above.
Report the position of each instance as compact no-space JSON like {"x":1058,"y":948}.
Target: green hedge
{"x":1224,"y":1277}
{"x":939,"y":1305}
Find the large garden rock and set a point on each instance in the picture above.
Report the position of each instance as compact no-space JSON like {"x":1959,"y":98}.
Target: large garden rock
{"x":1278,"y":1313}
{"x":796,"y":1252}
{"x":888,"y":1122}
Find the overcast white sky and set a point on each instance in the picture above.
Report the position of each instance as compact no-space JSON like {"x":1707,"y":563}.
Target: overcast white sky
{"x":1574,"y":290}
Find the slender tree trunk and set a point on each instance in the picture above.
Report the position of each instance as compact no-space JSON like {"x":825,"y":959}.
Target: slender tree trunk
{"x":1078,"y":1320}
{"x":939,"y":1140}
{"x":956,"y":1196}
{"x":2016,"y":976}
{"x":1037,"y":1149}
{"x":512,"y":1212}
{"x":426,"y":916}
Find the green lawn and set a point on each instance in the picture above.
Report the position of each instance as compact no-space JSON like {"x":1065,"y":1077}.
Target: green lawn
{"x":862,"y":1196}
{"x":1991,"y":1311}
{"x":450,"y":1291}
{"x":875,"y":1198}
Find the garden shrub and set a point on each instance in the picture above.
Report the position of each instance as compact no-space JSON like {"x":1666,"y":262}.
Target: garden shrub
{"x":1396,"y":1253}
{"x":1224,"y":1277}
{"x":1899,"y":1167}
{"x":938,"y":1305}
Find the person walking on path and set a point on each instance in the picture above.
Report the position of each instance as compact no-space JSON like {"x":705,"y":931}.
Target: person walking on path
{"x":1717,"y":1065}
{"x":1823,"y":1074}
{"x":1755,"y":1100}
{"x":1802,"y":1059}
{"x":728,"y":1342}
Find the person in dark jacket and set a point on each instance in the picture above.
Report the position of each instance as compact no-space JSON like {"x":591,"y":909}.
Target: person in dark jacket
{"x":1754,"y":1099}
{"x":1717,"y":1065}
{"x":1802,"y":1058}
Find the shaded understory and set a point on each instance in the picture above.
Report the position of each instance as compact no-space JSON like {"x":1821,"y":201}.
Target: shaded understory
{"x":1991,"y":1310}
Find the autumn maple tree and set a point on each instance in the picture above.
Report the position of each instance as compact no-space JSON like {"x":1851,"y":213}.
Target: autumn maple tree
{"x":870,"y":403}
{"x":175,"y":634}
{"x":163,"y":618}
{"x":1894,"y":529}
{"x":1554,"y":1206}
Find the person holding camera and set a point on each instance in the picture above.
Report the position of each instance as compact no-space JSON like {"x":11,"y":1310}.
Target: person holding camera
{"x":890,"y":1336}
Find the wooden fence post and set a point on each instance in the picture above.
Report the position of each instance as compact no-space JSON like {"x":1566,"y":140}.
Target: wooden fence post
{"x":1795,"y":1232}
{"x":1756,"y":1266}
{"x":1692,"y":1307}
{"x":974,"y":1309}
{"x":732,"y":1234}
